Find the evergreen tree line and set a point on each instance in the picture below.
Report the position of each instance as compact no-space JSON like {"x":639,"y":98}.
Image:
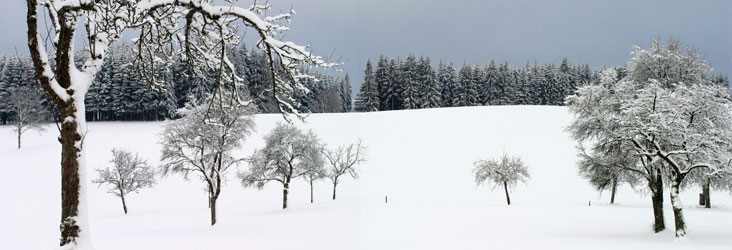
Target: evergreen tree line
{"x":413,"y":84}
{"x":120,"y":94}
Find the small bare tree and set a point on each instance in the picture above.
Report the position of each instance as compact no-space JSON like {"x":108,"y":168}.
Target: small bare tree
{"x":128,"y":173}
{"x":287,"y":154}
{"x":506,"y":171}
{"x":314,"y":167}
{"x":203,"y":140}
{"x":28,"y":112}
{"x":343,"y":160}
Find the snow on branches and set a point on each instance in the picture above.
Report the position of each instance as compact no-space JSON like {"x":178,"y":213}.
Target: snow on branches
{"x":506,"y":171}
{"x":128,"y":173}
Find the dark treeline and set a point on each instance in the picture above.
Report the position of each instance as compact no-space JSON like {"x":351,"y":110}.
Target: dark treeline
{"x":120,"y":94}
{"x":394,"y":84}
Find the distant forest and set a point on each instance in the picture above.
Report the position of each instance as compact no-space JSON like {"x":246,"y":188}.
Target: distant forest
{"x":119,"y":92}
{"x":412,"y":83}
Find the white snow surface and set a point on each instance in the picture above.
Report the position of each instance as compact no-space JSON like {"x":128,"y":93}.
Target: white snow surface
{"x":421,"y":159}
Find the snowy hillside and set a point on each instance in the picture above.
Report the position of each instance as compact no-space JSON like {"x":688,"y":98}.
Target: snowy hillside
{"x":421,"y":160}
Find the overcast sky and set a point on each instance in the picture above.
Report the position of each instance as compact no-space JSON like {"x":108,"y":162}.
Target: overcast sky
{"x":475,"y":31}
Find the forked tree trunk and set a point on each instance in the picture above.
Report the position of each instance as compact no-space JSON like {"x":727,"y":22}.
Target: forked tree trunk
{"x":707,"y":195}
{"x":614,"y":190}
{"x":508,"y":198}
{"x":679,"y":221}
{"x":657,"y":199}
{"x":73,"y":191}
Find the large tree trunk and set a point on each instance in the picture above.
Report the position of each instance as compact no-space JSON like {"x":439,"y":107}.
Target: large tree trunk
{"x":679,"y":221}
{"x":614,"y":190}
{"x":508,"y":198}
{"x":74,"y":229}
{"x":657,"y":198}
{"x":73,"y":197}
{"x":706,"y":194}
{"x":124,"y":204}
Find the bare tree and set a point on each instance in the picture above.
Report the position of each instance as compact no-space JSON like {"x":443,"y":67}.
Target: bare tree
{"x":506,"y":171}
{"x":287,"y":154}
{"x":202,"y":143}
{"x":200,"y":31}
{"x":314,"y":167}
{"x":28,"y":112}
{"x":343,"y":160}
{"x":128,"y":173}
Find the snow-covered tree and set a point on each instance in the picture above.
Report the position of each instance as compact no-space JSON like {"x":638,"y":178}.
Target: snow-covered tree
{"x":288,"y":153}
{"x":200,"y":31}
{"x":129,"y":173}
{"x":447,"y":78}
{"x":411,"y":86}
{"x":344,"y":160}
{"x":314,"y":165}
{"x":203,"y":141}
{"x":667,"y":113}
{"x":26,"y":107}
{"x":431,"y":89}
{"x":506,"y":171}
{"x":367,"y":99}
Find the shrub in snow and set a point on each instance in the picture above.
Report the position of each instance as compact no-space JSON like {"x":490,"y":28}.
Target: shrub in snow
{"x":506,"y":171}
{"x":128,"y":173}
{"x":288,"y":153}
{"x":28,"y":112}
{"x":203,"y":140}
{"x":344,"y":160}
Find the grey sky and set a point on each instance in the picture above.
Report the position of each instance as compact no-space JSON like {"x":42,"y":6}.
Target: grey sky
{"x":474,"y":31}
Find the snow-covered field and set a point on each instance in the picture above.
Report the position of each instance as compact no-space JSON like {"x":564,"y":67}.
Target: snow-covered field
{"x":421,"y":159}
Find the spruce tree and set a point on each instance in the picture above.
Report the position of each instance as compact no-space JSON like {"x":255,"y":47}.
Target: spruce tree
{"x":367,"y":99}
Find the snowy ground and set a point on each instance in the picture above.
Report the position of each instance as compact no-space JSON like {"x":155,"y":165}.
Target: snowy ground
{"x":421,"y":159}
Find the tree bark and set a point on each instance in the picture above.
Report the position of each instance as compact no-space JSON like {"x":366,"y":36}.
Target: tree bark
{"x":508,"y":198}
{"x":20,"y":131}
{"x":284,"y":195}
{"x":311,"y":191}
{"x":707,"y":195}
{"x":614,"y":190}
{"x":679,"y":221}
{"x":334,"y":190}
{"x":70,"y":179}
{"x":124,"y":204}
{"x":657,"y":199}
{"x":212,"y":202}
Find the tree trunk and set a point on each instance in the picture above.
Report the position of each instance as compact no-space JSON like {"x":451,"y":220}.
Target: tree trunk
{"x":613,"y":190}
{"x":677,"y":207}
{"x":212,"y":204}
{"x":508,"y":198}
{"x":20,"y":132}
{"x":72,"y":193}
{"x":334,"y":190}
{"x":284,"y":195}
{"x":124,"y":204}
{"x":74,"y":230}
{"x":657,"y":198}
{"x":311,"y":191}
{"x":707,"y":198}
